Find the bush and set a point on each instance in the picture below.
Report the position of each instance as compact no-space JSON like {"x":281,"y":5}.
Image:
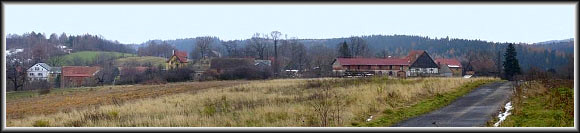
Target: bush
{"x":246,"y":72}
{"x":37,"y":85}
{"x":41,"y":123}
{"x":178,"y":75}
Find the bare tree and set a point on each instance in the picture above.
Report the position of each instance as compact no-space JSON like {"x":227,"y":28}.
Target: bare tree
{"x":359,"y":47}
{"x":16,"y":74}
{"x":321,"y":58}
{"x":232,"y":48}
{"x":275,"y":36}
{"x":258,"y":45}
{"x":203,"y":46}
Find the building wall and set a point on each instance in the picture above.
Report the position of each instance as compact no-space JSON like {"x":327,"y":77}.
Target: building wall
{"x":383,"y":70}
{"x":37,"y":72}
{"x":423,"y":71}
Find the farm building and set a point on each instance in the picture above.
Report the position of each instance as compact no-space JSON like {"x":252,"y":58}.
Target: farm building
{"x":421,"y":64}
{"x":370,"y":66}
{"x":417,"y":63}
{"x":177,"y":60}
{"x":74,"y":76}
{"x":453,"y":64}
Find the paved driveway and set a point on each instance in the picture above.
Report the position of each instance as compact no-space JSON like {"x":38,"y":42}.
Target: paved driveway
{"x":471,"y":110}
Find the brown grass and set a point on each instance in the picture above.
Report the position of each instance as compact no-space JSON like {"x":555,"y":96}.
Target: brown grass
{"x":271,"y":103}
{"x":64,"y":101}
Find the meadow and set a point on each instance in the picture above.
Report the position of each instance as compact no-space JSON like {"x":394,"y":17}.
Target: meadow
{"x":85,"y":57}
{"x":141,"y":61}
{"x":260,"y":103}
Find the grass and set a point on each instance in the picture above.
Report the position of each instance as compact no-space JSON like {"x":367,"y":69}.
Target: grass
{"x":21,"y":104}
{"x":393,"y":116}
{"x":263,"y":103}
{"x":86,"y":57}
{"x":545,"y":103}
{"x":141,"y":61}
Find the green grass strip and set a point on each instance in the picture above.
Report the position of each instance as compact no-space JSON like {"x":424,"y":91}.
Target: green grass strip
{"x":392,"y":117}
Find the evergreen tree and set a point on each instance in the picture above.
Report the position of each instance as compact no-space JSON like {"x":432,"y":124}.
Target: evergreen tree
{"x":344,"y":51}
{"x":510,"y":64}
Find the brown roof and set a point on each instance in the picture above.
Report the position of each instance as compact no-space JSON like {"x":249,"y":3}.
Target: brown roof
{"x":414,"y":54}
{"x":79,"y":71}
{"x":181,"y":56}
{"x":452,"y":61}
{"x":372,"y":61}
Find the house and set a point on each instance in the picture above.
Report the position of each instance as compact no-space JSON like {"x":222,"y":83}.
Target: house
{"x":421,"y":64}
{"x":445,"y":71}
{"x":74,"y":76}
{"x":38,"y":71}
{"x":370,"y":66}
{"x":177,"y":60}
{"x":453,"y":64}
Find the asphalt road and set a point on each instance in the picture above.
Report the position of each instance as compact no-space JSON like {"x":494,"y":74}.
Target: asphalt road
{"x":471,"y":110}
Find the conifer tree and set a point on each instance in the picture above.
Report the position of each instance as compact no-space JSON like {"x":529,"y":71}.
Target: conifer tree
{"x":510,"y":64}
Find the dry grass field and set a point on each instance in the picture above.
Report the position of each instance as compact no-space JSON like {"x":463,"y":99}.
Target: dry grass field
{"x":264,"y":103}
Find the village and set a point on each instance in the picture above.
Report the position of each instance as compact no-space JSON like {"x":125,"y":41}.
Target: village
{"x":417,"y":64}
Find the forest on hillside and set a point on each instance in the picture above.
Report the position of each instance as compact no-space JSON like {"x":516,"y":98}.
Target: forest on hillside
{"x":306,"y":54}
{"x":483,"y":54}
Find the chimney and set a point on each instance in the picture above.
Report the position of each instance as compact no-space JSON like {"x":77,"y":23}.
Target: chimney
{"x":173,"y":52}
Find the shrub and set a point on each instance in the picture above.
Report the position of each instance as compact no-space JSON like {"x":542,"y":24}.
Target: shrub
{"x":41,"y":123}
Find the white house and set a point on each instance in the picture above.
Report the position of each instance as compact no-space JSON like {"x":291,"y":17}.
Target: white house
{"x":39,"y":71}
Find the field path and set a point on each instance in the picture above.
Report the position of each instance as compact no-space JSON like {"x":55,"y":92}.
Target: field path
{"x":471,"y":110}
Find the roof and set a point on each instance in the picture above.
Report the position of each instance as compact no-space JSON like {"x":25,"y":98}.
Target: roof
{"x":372,"y":61}
{"x":181,"y":56}
{"x":264,"y":62}
{"x":44,"y":65}
{"x":445,"y":69}
{"x":448,"y":62}
{"x":79,"y":71}
{"x":414,"y":54}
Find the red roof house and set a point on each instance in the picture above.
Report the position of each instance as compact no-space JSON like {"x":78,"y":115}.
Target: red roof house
{"x":73,"y":76}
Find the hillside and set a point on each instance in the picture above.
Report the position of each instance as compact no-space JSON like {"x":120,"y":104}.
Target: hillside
{"x":84,"y":58}
{"x":141,"y":61}
{"x":552,"y":55}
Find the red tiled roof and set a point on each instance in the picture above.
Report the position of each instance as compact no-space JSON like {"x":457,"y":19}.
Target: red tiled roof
{"x":181,"y":56}
{"x":454,"y":62}
{"x":372,"y":61}
{"x":79,"y":71}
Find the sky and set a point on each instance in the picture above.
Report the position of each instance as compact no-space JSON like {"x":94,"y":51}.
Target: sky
{"x":139,"y":22}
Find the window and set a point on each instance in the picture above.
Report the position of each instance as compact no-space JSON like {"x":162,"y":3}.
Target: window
{"x":39,"y":74}
{"x":36,"y":68}
{"x":31,"y":74}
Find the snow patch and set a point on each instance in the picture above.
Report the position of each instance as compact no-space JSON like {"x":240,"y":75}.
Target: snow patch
{"x":370,"y":118}
{"x":502,"y":116}
{"x":467,"y":76}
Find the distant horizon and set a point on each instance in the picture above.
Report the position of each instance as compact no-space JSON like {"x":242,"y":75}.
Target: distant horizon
{"x":139,"y":23}
{"x":104,"y":37}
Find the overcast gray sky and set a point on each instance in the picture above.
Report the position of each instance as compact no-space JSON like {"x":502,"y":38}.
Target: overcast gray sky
{"x":137,"y":23}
